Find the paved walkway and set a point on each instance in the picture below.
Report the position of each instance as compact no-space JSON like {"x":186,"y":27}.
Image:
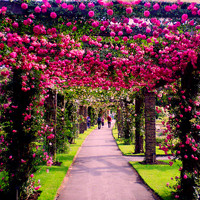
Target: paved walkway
{"x":100,"y":172}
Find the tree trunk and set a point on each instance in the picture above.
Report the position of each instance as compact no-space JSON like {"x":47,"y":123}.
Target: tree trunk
{"x":150,"y":133}
{"x":139,"y":102}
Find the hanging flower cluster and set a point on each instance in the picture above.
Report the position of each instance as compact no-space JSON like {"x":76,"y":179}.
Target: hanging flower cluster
{"x":58,"y":44}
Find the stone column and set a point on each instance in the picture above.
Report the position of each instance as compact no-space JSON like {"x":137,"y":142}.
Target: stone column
{"x":150,"y":129}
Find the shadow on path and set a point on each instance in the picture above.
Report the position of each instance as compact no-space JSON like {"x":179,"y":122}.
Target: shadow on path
{"x":100,"y":172}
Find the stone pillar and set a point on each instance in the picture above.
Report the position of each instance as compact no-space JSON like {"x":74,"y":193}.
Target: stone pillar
{"x":150,"y":129}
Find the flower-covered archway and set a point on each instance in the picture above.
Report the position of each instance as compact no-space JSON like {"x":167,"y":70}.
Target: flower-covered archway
{"x":131,"y":45}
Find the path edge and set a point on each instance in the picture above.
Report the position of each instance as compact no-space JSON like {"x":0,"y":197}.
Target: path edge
{"x":70,"y":168}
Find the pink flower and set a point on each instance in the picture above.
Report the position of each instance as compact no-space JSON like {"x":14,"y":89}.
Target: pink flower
{"x":147,"y":4}
{"x":37,"y":29}
{"x":178,"y":187}
{"x":167,"y":8}
{"x":90,"y":5}
{"x":68,"y":23}
{"x":184,"y":17}
{"x":24,"y":6}
{"x":156,"y":6}
{"x":31,"y":175}
{"x":112,"y":33}
{"x":82,"y":6}
{"x":110,"y":12}
{"x":91,"y":13}
{"x":70,"y":7}
{"x":129,"y":10}
{"x":146,"y":13}
{"x":64,"y":5}
{"x":37,"y":188}
{"x":53,"y":15}
{"x":58,"y":1}
{"x":15,"y":25}
{"x":120,"y":33}
{"x":37,"y":9}
{"x":185,"y":176}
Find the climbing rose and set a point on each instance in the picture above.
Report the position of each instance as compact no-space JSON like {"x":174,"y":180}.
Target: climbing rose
{"x":129,"y":10}
{"x":156,"y":6}
{"x":24,"y":6}
{"x":64,"y":5}
{"x":53,"y":15}
{"x":58,"y":1}
{"x":37,"y":9}
{"x":146,"y":13}
{"x":184,"y":17}
{"x":82,"y":6}
{"x":70,"y":7}
{"x":15,"y":25}
{"x":91,"y":13}
{"x":110,"y":12}
{"x":90,"y":5}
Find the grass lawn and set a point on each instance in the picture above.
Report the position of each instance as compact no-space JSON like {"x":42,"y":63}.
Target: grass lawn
{"x":51,"y":181}
{"x":128,"y":150}
{"x":157,"y":176}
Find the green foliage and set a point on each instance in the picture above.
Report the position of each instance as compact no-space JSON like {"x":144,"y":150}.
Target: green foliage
{"x":52,"y":180}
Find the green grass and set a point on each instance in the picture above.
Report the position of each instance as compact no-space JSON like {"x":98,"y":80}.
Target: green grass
{"x":51,"y":181}
{"x":128,"y":150}
{"x":157,"y":176}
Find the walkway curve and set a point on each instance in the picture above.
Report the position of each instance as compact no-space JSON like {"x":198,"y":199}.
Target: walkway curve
{"x":100,"y":172}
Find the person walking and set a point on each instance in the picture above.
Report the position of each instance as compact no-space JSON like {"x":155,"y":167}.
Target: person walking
{"x":88,"y":121}
{"x":99,"y":122}
{"x":102,"y":121}
{"x":109,"y":121}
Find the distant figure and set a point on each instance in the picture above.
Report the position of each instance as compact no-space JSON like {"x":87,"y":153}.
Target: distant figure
{"x":99,"y":122}
{"x":102,"y":121}
{"x":88,"y":121}
{"x":109,"y":121}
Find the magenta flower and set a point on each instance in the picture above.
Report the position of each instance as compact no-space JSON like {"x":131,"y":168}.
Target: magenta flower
{"x":147,"y":4}
{"x":112,"y":33}
{"x":24,"y":6}
{"x":82,"y":6}
{"x":37,"y":9}
{"x":156,"y":6}
{"x":184,"y":17}
{"x":110,"y":12}
{"x":70,"y":7}
{"x":146,"y":13}
{"x":129,"y":10}
{"x":90,"y":5}
{"x":53,"y":15}
{"x":15,"y":25}
{"x":91,"y":13}
{"x":185,"y":176}
{"x":64,"y":5}
{"x":58,"y":1}
{"x":167,"y":8}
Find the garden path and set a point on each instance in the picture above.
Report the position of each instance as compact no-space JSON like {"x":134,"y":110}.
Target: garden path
{"x":100,"y":172}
